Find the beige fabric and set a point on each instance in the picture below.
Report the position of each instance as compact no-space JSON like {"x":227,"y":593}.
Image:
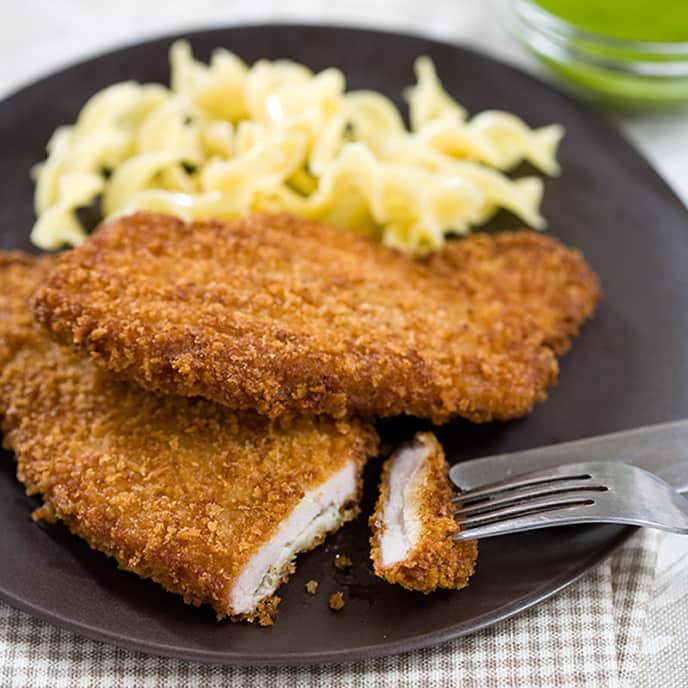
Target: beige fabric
{"x":588,"y":636}
{"x":664,"y":660}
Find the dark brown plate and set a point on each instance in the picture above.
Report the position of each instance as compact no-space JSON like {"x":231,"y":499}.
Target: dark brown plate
{"x":628,"y":368}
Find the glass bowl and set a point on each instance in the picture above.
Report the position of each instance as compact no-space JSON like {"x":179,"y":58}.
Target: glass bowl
{"x":630,"y":74}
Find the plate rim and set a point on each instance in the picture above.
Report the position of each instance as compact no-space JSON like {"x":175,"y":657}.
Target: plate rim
{"x":347,"y":655}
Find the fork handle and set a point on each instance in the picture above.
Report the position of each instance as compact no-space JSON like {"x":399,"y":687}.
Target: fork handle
{"x":660,"y":449}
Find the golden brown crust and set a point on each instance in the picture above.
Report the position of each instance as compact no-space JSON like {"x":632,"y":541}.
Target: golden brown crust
{"x":552,"y":285}
{"x":286,"y":316}
{"x":15,"y":321}
{"x":182,"y":491}
{"x":436,"y":561}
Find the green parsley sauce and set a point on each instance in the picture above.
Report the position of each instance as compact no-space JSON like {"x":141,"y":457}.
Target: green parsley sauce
{"x":638,"y":20}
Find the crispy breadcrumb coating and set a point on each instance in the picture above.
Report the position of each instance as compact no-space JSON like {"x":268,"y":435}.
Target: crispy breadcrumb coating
{"x":433,"y":560}
{"x":182,"y":491}
{"x":552,"y":285}
{"x":312,"y":587}
{"x":287,"y":316}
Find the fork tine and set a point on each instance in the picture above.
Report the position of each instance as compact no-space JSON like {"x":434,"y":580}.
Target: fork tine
{"x":525,"y":495}
{"x":557,"y":515}
{"x":534,"y":506}
{"x":524,"y":481}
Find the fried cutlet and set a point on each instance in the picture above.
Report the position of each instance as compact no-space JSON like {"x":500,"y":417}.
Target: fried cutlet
{"x":412,"y":525}
{"x":286,"y":316}
{"x":552,"y":285}
{"x":210,"y":503}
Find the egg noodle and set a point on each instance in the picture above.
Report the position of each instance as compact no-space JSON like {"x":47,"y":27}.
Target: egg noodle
{"x":226,"y":139}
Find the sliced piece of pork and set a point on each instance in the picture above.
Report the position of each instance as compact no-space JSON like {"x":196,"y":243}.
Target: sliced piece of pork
{"x":411,"y":541}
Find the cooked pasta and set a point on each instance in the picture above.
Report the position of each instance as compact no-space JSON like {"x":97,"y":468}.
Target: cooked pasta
{"x":226,"y":139}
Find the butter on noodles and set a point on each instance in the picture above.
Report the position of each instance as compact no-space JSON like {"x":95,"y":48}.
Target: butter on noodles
{"x":226,"y":139}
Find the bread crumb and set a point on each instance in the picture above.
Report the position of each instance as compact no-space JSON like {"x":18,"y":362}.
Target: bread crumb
{"x":312,"y":587}
{"x":341,"y":561}
{"x":337,"y":601}
{"x":266,"y":610}
{"x":46,"y":513}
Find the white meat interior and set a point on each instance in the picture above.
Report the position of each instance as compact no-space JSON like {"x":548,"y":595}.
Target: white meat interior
{"x":319,"y":512}
{"x":401,"y":525}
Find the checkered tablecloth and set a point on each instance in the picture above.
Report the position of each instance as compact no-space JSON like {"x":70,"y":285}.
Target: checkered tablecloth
{"x":664,"y":659}
{"x":624,"y":625}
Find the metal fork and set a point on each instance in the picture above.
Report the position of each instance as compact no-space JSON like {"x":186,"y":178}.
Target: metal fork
{"x":592,"y":492}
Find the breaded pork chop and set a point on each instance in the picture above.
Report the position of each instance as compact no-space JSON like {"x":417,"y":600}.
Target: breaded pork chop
{"x":211,"y":504}
{"x":412,"y":525}
{"x":286,"y":316}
